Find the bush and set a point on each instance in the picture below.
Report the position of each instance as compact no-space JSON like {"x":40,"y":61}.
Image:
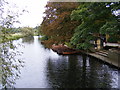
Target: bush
{"x":43,"y":38}
{"x":113,"y":39}
{"x":68,"y":44}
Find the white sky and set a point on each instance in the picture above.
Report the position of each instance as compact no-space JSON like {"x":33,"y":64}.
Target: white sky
{"x":35,"y":9}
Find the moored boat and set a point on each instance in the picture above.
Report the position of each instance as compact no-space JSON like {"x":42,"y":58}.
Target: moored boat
{"x":64,"y":50}
{"x":72,"y":52}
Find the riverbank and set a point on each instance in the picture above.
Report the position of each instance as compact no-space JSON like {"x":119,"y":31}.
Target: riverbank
{"x":109,"y":56}
{"x":11,"y":37}
{"x":15,"y":36}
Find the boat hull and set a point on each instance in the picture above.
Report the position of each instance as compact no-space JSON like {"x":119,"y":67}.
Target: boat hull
{"x":64,"y":50}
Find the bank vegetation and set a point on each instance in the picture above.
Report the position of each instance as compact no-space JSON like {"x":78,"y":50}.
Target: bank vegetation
{"x":80,"y":24}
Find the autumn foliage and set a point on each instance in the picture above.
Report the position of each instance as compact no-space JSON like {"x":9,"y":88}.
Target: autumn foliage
{"x":57,"y":24}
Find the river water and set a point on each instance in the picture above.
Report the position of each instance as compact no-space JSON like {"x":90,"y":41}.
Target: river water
{"x":46,"y":69}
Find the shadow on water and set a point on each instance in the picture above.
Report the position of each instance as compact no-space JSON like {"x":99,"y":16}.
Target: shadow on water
{"x":80,"y":71}
{"x":28,"y":40}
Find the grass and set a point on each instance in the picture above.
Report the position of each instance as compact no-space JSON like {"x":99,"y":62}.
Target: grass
{"x":15,"y":36}
{"x":12,"y":37}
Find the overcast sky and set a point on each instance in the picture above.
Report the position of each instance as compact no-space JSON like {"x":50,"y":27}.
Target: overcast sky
{"x":35,"y":10}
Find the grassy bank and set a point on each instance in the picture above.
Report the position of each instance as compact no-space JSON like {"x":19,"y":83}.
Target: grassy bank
{"x":11,"y":37}
{"x":15,"y":36}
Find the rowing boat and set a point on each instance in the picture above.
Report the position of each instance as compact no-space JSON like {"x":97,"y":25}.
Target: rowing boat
{"x":64,"y":50}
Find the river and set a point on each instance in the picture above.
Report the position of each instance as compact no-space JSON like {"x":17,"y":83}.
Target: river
{"x":46,"y":69}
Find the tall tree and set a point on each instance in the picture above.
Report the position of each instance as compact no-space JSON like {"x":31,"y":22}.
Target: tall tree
{"x":57,"y":24}
{"x":95,"y":18}
{"x":112,"y":24}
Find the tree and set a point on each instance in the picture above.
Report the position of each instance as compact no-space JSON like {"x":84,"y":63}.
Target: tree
{"x":9,"y":66}
{"x":57,"y":24}
{"x":27,"y":31}
{"x":112,"y":25}
{"x":94,"y":17}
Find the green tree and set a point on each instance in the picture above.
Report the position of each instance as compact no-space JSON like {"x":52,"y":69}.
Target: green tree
{"x":94,"y":17}
{"x":112,"y":24}
{"x":27,"y":31}
{"x":9,"y":66}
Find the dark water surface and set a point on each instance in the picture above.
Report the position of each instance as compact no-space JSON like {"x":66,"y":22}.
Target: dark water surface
{"x":46,"y":69}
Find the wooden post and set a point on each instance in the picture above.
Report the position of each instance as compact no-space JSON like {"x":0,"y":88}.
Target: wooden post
{"x":107,"y":37}
{"x":98,"y":44}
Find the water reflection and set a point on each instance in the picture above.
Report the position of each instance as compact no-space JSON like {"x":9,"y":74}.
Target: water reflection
{"x":28,"y":40}
{"x":45,"y":69}
{"x":79,"y":72}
